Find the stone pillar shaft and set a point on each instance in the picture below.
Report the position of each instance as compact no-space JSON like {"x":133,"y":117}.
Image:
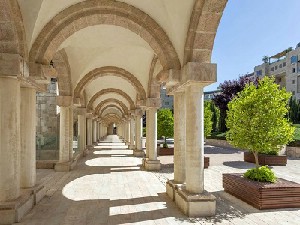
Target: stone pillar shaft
{"x":9,"y":138}
{"x":179,"y":137}
{"x":82,"y":132}
{"x":71,"y":132}
{"x":139,"y":132}
{"x":194,"y":139}
{"x":89,"y":131}
{"x":94,"y":131}
{"x":28,"y":132}
{"x":65,"y":134}
{"x":152,"y":133}
{"x":132,"y":133}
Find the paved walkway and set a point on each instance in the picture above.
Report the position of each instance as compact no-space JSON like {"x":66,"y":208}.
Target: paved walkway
{"x":108,"y":187}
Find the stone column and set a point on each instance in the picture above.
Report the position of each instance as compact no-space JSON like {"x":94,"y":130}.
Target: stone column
{"x":138,"y":152}
{"x":99,"y":131}
{"x":127,"y":131}
{"x":194,"y":139}
{"x":191,"y":197}
{"x":28,"y":132}
{"x":132,"y":132}
{"x":179,"y":144}
{"x":151,"y":162}
{"x":9,"y":138}
{"x":65,"y":133}
{"x":89,"y":131}
{"x":94,"y":131}
{"x":81,"y":129}
{"x":71,"y":115}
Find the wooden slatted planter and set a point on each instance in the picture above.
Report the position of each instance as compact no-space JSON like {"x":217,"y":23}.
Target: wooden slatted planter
{"x":270,"y":160}
{"x":263,"y":195}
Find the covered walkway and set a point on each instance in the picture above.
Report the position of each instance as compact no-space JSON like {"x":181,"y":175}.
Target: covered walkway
{"x":109,"y":187}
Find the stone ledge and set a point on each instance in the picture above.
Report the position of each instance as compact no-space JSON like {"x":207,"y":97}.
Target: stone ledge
{"x":152,"y":165}
{"x":13,"y":211}
{"x":138,"y":153}
{"x":171,"y":186}
{"x":195,"y":205}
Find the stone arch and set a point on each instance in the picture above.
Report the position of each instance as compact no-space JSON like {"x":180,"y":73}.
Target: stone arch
{"x":110,"y":118}
{"x":202,"y":30}
{"x":110,"y":106}
{"x":111,"y":100}
{"x":110,"y":90}
{"x":96,"y":12}
{"x":62,"y":66}
{"x":13,"y":38}
{"x":108,"y":71}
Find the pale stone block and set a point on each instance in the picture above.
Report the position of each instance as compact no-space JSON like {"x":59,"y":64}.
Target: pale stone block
{"x":152,"y":165}
{"x":195,"y":205}
{"x":138,"y":153}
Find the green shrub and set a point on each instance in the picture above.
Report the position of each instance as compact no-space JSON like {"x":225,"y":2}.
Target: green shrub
{"x":261,"y":174}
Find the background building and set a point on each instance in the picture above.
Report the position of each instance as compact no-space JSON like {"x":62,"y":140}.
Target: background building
{"x":284,"y":66}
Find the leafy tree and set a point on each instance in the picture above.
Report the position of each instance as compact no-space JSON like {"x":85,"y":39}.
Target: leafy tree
{"x":229,"y":90}
{"x":208,"y":123}
{"x":165,"y":124}
{"x":256,"y":118}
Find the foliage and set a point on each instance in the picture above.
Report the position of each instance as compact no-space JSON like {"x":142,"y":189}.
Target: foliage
{"x":229,"y":90}
{"x":265,"y":59}
{"x":261,"y":174}
{"x":208,"y":123}
{"x":215,"y":115}
{"x":294,"y":111}
{"x":165,"y":123}
{"x":256,"y":118}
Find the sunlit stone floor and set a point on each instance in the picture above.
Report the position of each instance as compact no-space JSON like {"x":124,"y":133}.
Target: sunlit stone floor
{"x":108,"y":187}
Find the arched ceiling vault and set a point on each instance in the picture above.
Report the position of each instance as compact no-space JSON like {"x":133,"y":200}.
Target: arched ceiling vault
{"x":95,"y":12}
{"x":111,"y":90}
{"x":113,"y":106}
{"x":111,"y":100}
{"x":108,"y":71}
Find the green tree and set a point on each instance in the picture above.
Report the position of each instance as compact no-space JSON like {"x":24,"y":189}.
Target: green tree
{"x":165,"y":124}
{"x":208,"y":123}
{"x":293,"y":111}
{"x":256,"y":118}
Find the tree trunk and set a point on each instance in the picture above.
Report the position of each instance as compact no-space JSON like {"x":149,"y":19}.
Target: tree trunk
{"x":256,"y":159}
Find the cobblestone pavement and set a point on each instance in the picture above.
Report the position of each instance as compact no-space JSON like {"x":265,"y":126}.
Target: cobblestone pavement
{"x":108,"y":187}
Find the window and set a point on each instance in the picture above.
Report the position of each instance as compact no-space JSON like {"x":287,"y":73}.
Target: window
{"x":293,"y":81}
{"x":294,"y":59}
{"x":167,"y":103}
{"x":280,"y":66}
{"x":294,"y":70}
{"x":284,"y":64}
{"x":275,"y":67}
{"x":272,"y":69}
{"x":259,"y":72}
{"x":293,"y":92}
{"x":279,"y":79}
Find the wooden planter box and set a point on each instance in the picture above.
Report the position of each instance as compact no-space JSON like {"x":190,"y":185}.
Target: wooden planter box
{"x":166,"y":151}
{"x":270,"y":160}
{"x":262,"y":195}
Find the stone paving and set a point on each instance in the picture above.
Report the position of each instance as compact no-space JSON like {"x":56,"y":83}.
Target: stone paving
{"x":108,"y":187}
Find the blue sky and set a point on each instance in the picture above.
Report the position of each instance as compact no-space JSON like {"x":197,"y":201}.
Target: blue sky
{"x":250,"y":29}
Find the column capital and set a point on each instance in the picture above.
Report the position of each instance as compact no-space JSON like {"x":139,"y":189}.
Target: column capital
{"x":64,"y":101}
{"x":195,"y":73}
{"x":153,"y":103}
{"x":89,"y":115}
{"x":13,"y":65}
{"x":139,"y":112}
{"x":81,"y":111}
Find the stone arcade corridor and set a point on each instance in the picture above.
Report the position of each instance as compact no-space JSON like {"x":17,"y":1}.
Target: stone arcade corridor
{"x":108,"y":187}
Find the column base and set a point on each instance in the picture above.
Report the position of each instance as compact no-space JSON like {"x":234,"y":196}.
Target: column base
{"x":171,"y":187}
{"x":90,"y":147}
{"x":195,"y":205}
{"x":85,"y":152}
{"x":152,"y":165}
{"x":13,"y":211}
{"x":138,"y":153}
{"x":132,"y":147}
{"x":65,"y":166}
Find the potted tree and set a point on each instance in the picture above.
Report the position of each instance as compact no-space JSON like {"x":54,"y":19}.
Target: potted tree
{"x":257,"y":123}
{"x":208,"y":125}
{"x":165,"y":129}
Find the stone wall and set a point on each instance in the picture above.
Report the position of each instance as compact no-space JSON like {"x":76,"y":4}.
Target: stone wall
{"x":47,"y":129}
